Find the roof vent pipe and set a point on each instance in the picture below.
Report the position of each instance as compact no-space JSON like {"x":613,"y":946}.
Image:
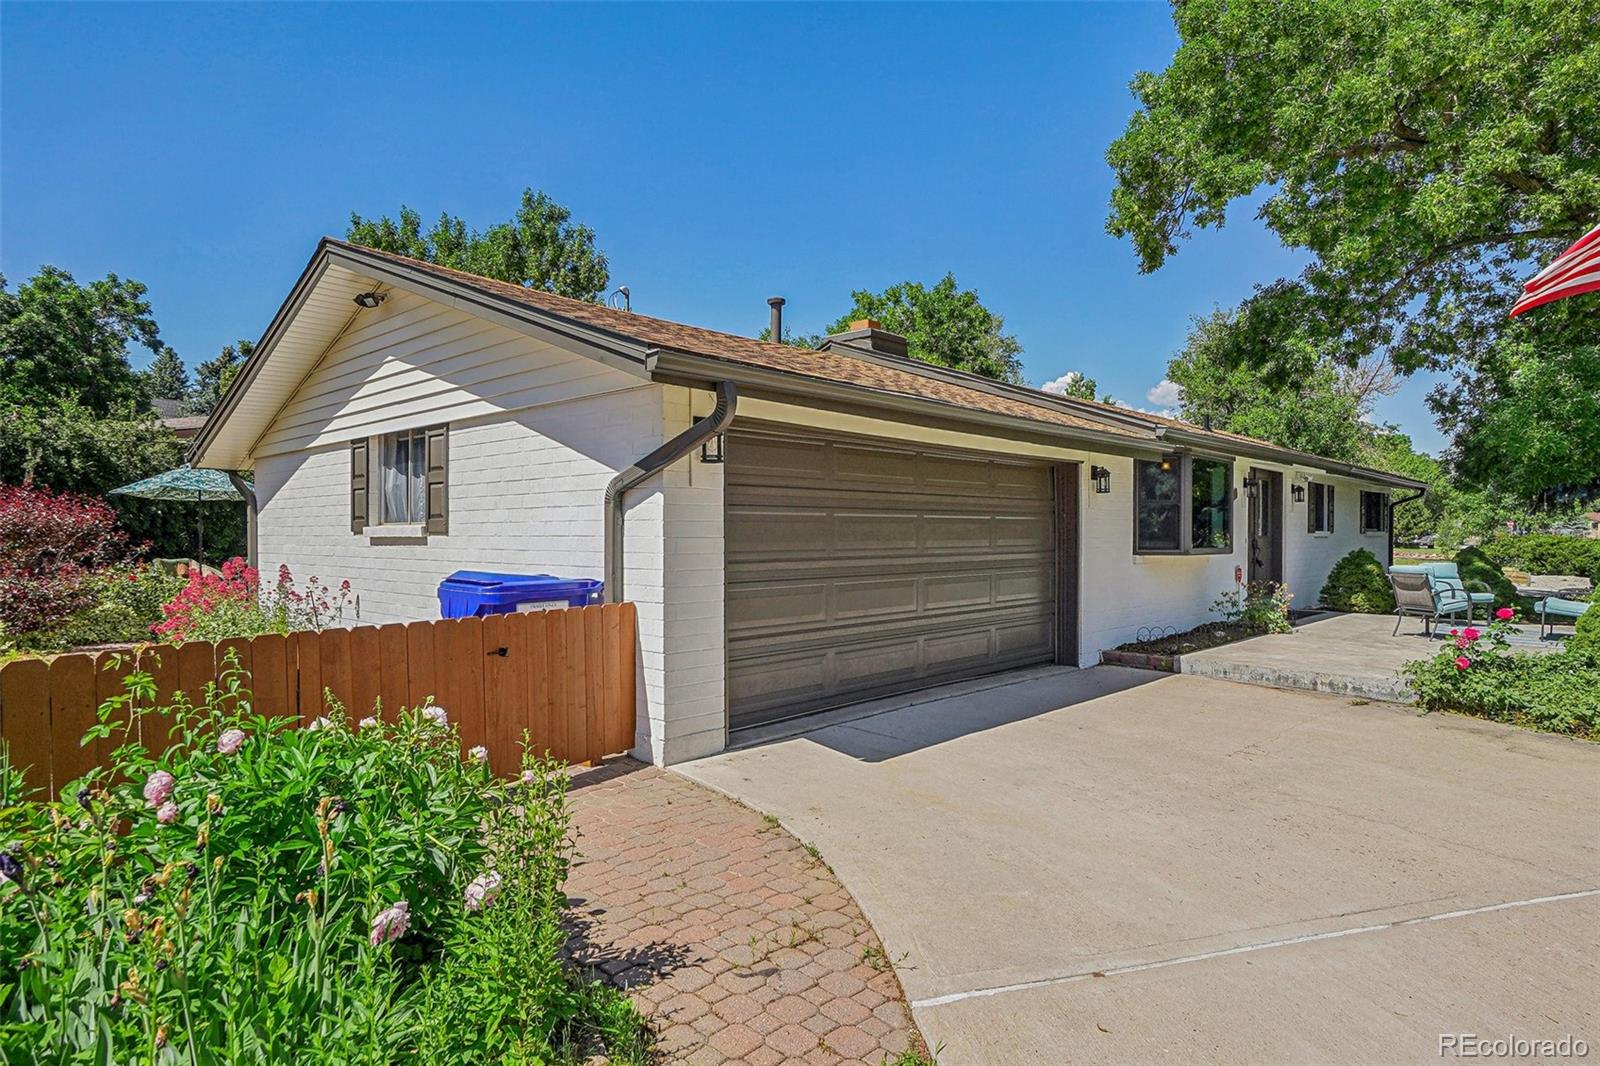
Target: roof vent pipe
{"x":658,"y":460}
{"x":776,"y":303}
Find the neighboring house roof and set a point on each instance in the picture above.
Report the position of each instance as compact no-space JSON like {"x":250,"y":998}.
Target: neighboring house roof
{"x":659,"y":349}
{"x":185,"y":426}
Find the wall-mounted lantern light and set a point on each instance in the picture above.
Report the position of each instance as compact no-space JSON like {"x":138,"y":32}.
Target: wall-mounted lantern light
{"x":711,"y":450}
{"x":370,"y":300}
{"x":1101,"y":477}
{"x":1169,"y":461}
{"x":1298,"y":492}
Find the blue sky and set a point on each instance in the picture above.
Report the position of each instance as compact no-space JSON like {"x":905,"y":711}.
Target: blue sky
{"x":723,"y":154}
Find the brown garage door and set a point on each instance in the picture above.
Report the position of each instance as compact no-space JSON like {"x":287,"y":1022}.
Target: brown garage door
{"x":860,"y":568}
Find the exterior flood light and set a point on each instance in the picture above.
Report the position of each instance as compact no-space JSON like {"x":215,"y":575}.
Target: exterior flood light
{"x":370,"y":299}
{"x":1101,"y":477}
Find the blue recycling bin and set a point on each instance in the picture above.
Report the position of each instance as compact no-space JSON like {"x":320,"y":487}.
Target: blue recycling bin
{"x":466,"y":593}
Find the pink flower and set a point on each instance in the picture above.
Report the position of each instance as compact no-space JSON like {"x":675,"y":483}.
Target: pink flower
{"x":367,"y":723}
{"x":479,"y":754}
{"x":482,"y":891}
{"x":529,"y":777}
{"x":167,"y":813}
{"x":230,"y":741}
{"x":1505,"y":614}
{"x":1462,"y":662}
{"x":1470,"y":634}
{"x":158,"y":788}
{"x":391,"y":923}
{"x":1455,"y":632}
{"x":436,"y":715}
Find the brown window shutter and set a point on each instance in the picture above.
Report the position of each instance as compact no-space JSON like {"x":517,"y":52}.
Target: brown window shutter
{"x":1311,"y":506}
{"x":1330,"y":508}
{"x":358,"y":486}
{"x":438,"y":480}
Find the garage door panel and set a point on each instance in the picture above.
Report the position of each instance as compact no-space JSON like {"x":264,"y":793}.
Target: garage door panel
{"x":856,"y":570}
{"x":859,"y":601}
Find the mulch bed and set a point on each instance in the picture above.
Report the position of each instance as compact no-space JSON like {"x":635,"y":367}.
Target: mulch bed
{"x":1207,"y":635}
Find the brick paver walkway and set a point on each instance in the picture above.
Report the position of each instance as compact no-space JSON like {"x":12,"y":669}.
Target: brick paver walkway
{"x":738,"y":944}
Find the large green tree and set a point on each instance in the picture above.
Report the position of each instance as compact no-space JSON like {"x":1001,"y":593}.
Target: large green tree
{"x":213,"y":376}
{"x":166,"y":378}
{"x":540,"y":247}
{"x":61,"y":341}
{"x":943,"y":324}
{"x":1309,"y":407}
{"x":1425,"y":153}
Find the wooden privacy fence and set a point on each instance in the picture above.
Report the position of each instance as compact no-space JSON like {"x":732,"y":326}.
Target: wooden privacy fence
{"x":567,"y":677}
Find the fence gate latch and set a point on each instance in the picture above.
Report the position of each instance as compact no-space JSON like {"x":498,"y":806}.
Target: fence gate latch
{"x":502,"y":652}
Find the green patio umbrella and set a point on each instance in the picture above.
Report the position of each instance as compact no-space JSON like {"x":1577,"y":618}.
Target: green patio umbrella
{"x":186,"y":485}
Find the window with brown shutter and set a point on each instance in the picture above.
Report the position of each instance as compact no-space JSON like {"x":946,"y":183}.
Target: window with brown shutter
{"x":401,"y":481}
{"x":1319,"y":508}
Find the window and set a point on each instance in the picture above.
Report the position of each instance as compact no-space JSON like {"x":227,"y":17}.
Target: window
{"x":1374,"y":512}
{"x":1183,"y":504}
{"x":400,"y":479}
{"x":402,"y":467}
{"x":1319,"y":508}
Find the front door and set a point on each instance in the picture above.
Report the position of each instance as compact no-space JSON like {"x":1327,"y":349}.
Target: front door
{"x":1266,"y":526}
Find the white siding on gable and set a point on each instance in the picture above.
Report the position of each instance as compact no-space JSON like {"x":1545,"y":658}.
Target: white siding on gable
{"x":412,"y":362}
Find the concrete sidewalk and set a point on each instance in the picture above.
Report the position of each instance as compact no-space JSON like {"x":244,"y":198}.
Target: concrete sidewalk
{"x":1117,"y":866}
{"x":1357,"y":655}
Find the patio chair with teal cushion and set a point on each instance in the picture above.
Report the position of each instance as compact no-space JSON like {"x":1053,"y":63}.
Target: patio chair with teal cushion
{"x":1444,"y":577}
{"x":1415,"y":596}
{"x":1553,"y":610}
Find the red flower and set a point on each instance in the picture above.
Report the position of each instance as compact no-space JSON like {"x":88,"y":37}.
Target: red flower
{"x":1462,"y":662}
{"x":1505,"y":614}
{"x":1471,"y":634}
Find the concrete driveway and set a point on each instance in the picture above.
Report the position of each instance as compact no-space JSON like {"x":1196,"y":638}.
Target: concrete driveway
{"x":1115,"y":866}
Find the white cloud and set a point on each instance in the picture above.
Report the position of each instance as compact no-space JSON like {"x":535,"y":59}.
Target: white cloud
{"x":1061,"y":384}
{"x":1165,"y":393}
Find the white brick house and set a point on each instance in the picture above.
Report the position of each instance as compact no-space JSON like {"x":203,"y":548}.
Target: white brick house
{"x":878,"y":525}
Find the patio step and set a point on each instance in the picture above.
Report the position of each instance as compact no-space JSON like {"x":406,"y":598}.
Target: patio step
{"x":1357,"y":686}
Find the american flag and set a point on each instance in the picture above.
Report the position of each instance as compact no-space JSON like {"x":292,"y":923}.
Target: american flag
{"x":1575,"y":270}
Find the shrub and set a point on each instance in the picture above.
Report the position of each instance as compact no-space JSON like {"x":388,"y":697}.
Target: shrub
{"x":49,"y":544}
{"x":1359,"y":583}
{"x":232,"y":604}
{"x":1586,"y":633}
{"x":1262,"y":606}
{"x":124,"y":606}
{"x":1547,"y":553}
{"x":1475,"y":566}
{"x":265,"y":894}
{"x":1477,"y":674}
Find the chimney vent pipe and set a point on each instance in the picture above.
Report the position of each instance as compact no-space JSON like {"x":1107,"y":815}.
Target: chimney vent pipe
{"x":776,"y":303}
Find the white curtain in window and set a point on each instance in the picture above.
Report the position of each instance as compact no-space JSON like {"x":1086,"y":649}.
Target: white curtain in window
{"x":396,"y":466}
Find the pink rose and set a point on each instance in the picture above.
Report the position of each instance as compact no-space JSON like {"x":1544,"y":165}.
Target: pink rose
{"x":1462,"y":662}
{"x":391,"y":923}
{"x":1505,"y":614}
{"x":158,"y":788}
{"x":230,"y":741}
{"x":167,"y":813}
{"x":1471,"y":634}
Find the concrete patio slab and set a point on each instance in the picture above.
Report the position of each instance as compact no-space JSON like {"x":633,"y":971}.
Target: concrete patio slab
{"x":1356,"y":655}
{"x":1111,"y":865}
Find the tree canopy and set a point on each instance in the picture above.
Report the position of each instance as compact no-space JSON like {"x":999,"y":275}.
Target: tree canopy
{"x":943,"y":324}
{"x":166,"y":378}
{"x":63,"y":341}
{"x":213,"y":376}
{"x":540,"y":247}
{"x":1425,"y":153}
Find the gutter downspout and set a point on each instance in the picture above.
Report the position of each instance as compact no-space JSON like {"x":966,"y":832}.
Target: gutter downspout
{"x":1392,"y":505}
{"x":250,"y":510}
{"x":658,"y":460}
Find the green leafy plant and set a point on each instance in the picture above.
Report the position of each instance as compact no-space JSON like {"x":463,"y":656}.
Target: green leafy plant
{"x":1586,"y":632}
{"x":1262,"y":605}
{"x":1546,"y":553}
{"x":1477,"y":568}
{"x":230,"y":889}
{"x":1359,"y":583}
{"x":1477,"y":673}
